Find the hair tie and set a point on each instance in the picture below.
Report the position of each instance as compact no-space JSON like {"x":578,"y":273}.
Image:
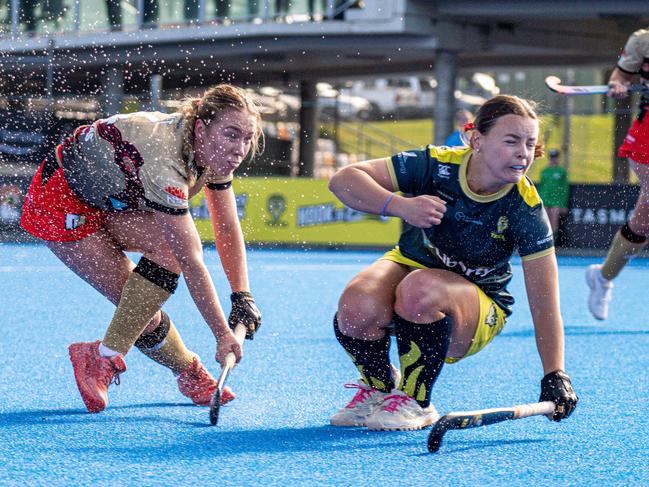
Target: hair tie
{"x":468,"y":126}
{"x":385,"y":205}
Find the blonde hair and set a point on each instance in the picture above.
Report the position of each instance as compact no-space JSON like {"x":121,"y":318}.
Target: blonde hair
{"x":210,"y":107}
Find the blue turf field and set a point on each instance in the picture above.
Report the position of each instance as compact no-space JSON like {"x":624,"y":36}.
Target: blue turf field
{"x":291,"y":381}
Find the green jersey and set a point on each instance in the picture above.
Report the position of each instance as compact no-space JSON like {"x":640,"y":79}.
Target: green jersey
{"x":478,"y":234}
{"x":553,"y":186}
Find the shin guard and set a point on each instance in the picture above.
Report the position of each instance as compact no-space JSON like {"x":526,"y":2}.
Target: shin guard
{"x":145,"y":291}
{"x":625,"y":245}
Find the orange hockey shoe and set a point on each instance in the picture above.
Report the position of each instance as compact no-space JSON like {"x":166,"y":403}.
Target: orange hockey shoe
{"x":196,"y":383}
{"x":94,"y":373}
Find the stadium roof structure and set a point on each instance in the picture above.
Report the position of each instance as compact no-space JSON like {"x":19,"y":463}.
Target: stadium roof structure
{"x":381,"y":38}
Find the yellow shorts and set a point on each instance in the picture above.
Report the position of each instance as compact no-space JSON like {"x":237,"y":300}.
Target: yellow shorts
{"x":492,"y":317}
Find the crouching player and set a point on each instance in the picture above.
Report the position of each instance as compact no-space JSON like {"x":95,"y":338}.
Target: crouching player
{"x":442,"y":290}
{"x":122,"y":185}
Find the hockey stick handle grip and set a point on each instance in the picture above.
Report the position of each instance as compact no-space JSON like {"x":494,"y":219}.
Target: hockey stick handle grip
{"x":240,"y":335}
{"x":534,"y":409}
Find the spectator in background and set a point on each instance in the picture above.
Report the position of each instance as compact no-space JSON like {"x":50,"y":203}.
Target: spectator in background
{"x":27,"y":14}
{"x":253,"y":9}
{"x":222,"y":11}
{"x":455,"y":139}
{"x":281,"y":9}
{"x":554,"y":190}
{"x":150,"y":14}
{"x":114,"y":11}
{"x":49,"y":11}
{"x":312,"y":9}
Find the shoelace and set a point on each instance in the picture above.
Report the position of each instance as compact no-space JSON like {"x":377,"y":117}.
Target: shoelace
{"x":111,"y":377}
{"x":395,"y":401}
{"x":360,"y":397}
{"x":202,"y":380}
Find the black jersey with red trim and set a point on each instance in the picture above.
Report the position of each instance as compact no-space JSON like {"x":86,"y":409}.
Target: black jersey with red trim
{"x":478,"y":234}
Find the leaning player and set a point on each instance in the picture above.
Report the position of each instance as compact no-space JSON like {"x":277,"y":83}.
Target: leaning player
{"x":442,"y":290}
{"x":632,"y":237}
{"x":122,"y":185}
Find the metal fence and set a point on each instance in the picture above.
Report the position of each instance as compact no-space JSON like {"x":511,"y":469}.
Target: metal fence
{"x":31,"y":17}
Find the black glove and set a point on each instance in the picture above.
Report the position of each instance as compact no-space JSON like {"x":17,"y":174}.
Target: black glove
{"x":245,"y":311}
{"x":556,"y":387}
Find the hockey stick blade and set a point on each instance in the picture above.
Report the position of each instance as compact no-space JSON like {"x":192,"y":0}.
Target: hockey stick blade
{"x":230,"y":360}
{"x":554,"y":84}
{"x":483,"y":417}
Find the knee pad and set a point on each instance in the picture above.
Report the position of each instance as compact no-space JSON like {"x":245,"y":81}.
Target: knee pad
{"x":632,"y":237}
{"x":148,"y":341}
{"x":157,"y":274}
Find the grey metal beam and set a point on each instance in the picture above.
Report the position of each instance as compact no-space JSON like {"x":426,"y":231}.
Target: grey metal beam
{"x":308,"y":128}
{"x":446,"y":74}
{"x":535,"y":9}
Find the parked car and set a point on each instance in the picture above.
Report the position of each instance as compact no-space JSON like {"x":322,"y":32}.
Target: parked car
{"x":383,"y":94}
{"x":414,"y":96}
{"x":328,"y":101}
{"x":348,"y":107}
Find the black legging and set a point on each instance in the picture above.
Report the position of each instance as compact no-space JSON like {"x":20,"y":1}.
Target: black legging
{"x":114,"y":10}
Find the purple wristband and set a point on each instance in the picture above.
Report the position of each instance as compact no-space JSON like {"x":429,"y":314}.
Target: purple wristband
{"x":385,"y":205}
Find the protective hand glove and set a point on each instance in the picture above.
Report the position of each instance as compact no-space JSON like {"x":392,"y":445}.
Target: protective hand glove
{"x":244,"y":310}
{"x":556,"y":387}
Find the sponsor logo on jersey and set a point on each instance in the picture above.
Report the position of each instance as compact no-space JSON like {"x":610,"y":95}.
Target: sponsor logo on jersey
{"x":492,"y":316}
{"x":544,"y":240}
{"x":88,"y":134}
{"x":74,"y":221}
{"x":461,"y":217}
{"x":452,"y":263}
{"x":117,"y":204}
{"x":444,"y":171}
{"x":448,"y":196}
{"x":402,"y":156}
{"x":501,"y":226}
{"x":175,"y":195}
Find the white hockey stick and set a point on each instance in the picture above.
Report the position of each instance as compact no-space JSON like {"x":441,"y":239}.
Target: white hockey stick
{"x":230,"y":359}
{"x":555,"y":85}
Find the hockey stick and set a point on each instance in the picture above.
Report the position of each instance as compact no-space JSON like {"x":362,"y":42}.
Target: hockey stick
{"x":230,"y":360}
{"x":483,"y":417}
{"x":555,"y":85}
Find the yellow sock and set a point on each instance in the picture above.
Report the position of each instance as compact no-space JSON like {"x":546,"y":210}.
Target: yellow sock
{"x":141,"y":298}
{"x":620,"y":251}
